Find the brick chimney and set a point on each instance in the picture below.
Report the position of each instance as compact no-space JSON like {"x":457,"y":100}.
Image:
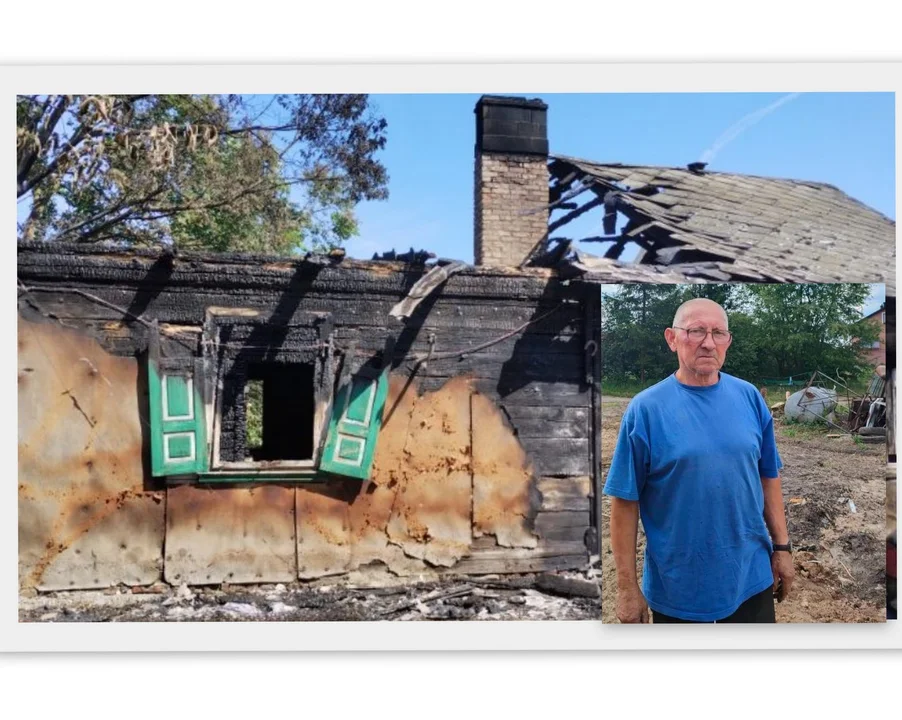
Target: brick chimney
{"x":511,"y":179}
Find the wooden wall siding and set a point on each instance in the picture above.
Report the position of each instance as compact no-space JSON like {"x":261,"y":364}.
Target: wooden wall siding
{"x":535,"y":380}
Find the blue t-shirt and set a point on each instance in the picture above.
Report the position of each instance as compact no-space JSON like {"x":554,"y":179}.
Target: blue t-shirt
{"x":694,"y":457}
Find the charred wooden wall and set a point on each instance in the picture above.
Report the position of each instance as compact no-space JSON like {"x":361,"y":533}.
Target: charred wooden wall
{"x":486,"y":462}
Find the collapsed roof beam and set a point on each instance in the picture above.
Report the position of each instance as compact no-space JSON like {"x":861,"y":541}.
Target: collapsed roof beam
{"x":555,"y":191}
{"x":657,"y":245}
{"x":573,"y":214}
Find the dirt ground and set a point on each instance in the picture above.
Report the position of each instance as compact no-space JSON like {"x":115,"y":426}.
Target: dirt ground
{"x":840,"y":556}
{"x":563,"y":596}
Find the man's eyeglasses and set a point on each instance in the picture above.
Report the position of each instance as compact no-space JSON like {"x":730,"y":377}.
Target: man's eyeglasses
{"x":698,"y":334}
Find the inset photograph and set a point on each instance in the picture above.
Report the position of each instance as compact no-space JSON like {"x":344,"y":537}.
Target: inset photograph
{"x":744,"y":453}
{"x":339,"y":357}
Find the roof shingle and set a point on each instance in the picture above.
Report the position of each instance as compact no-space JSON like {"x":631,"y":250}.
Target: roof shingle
{"x":781,"y":230}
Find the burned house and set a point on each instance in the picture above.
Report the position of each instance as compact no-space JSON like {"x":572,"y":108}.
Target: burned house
{"x":416,"y":415}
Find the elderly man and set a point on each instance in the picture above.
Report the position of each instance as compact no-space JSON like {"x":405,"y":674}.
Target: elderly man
{"x":697,"y":461}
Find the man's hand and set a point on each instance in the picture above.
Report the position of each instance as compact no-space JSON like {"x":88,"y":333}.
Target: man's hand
{"x":784,"y":573}
{"x":631,"y":606}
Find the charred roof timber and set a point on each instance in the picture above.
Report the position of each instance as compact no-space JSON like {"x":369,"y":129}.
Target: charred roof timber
{"x":413,"y":257}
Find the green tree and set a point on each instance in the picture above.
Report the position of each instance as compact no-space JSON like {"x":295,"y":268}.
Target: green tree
{"x":219,"y":172}
{"x":809,"y":327}
{"x":728,"y":296}
{"x":778,"y":330}
{"x":747,"y":357}
{"x":633,"y":325}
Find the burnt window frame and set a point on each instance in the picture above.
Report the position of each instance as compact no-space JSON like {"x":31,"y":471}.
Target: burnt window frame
{"x":218,"y":354}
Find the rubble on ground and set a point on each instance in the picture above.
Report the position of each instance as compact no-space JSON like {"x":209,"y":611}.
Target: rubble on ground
{"x":549,"y":596}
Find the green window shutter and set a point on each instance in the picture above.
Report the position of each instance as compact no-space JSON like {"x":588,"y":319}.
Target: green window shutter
{"x":178,"y":442}
{"x":354,"y":425}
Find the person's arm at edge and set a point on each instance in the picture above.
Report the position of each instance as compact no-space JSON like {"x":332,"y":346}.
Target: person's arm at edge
{"x":775,"y":518}
{"x":631,"y":605}
{"x":774,"y":512}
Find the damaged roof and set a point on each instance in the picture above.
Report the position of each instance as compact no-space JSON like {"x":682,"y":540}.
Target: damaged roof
{"x":704,"y":226}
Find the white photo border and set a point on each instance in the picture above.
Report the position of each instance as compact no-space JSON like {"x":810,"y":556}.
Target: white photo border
{"x":537,"y":79}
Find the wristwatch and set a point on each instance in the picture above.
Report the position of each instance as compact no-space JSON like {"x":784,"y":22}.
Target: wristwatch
{"x":786,"y":548}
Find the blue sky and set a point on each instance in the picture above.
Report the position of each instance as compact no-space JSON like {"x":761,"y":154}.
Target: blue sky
{"x":845,"y":139}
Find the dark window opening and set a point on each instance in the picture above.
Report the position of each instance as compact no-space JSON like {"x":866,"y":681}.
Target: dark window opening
{"x":279,"y":411}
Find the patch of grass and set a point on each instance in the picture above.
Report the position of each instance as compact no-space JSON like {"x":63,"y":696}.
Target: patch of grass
{"x":777,"y":393}
{"x":623,"y":387}
{"x":803,"y":430}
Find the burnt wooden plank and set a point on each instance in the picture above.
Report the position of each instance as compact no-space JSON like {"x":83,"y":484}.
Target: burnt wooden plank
{"x":520,"y":368}
{"x":300,"y":277}
{"x":189,"y":306}
{"x":498,"y":376}
{"x":563,"y":526}
{"x":487,"y":549}
{"x":449,"y":346}
{"x":535,"y":428}
{"x":565,"y":494}
{"x":199,"y":273}
{"x":568,"y":587}
{"x":538,"y":413}
{"x":594,"y":369}
{"x":534,"y":393}
{"x":478,"y":565}
{"x":561,"y":519}
{"x":169,"y":305}
{"x":519,"y":364}
{"x":556,"y":502}
{"x":558,"y":456}
{"x":550,"y":555}
{"x":565,"y":534}
{"x":65,"y":255}
{"x":465,"y":339}
{"x":543,"y":316}
{"x":543,"y":394}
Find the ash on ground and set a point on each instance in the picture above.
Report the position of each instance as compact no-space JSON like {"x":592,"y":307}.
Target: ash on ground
{"x":558,"y":596}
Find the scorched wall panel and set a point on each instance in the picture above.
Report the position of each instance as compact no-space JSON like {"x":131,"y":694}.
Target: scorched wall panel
{"x":86,"y":516}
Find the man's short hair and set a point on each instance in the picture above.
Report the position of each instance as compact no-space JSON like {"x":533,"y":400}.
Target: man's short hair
{"x":678,"y":316}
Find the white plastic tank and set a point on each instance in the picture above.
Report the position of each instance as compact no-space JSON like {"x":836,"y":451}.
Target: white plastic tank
{"x":811,"y":405}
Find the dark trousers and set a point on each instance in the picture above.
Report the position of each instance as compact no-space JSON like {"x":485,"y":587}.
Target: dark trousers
{"x":757,"y":609}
